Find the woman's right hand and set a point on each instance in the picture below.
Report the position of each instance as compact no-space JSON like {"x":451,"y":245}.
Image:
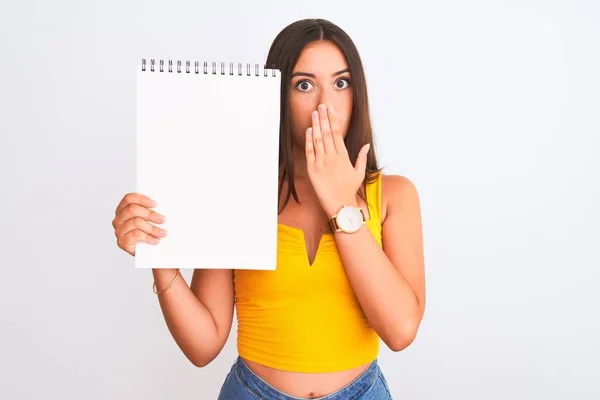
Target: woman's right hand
{"x":132,"y":222}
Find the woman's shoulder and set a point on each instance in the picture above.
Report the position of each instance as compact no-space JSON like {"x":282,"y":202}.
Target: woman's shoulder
{"x":395,"y":191}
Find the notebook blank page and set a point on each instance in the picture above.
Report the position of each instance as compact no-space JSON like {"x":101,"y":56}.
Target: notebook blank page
{"x":207,"y":152}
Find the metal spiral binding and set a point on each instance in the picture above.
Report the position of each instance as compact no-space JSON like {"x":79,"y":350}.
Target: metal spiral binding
{"x":214,"y":70}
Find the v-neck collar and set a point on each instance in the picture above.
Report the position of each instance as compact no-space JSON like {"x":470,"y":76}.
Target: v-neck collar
{"x":301,"y":234}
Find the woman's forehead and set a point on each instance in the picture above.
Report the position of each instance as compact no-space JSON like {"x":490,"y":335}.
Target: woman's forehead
{"x":321,"y":59}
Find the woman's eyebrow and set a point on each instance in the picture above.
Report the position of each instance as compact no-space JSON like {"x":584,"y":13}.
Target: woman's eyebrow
{"x":300,"y":73}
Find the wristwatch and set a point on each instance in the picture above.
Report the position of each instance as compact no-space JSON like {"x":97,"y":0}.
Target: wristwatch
{"x":348,"y":219}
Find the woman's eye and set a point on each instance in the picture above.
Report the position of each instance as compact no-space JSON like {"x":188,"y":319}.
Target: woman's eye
{"x":303,"y":86}
{"x":342,"y":83}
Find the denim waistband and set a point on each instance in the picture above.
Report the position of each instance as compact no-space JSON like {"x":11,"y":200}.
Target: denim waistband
{"x":263,"y":390}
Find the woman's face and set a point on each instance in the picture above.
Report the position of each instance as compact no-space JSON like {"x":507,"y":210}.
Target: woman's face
{"x":320,"y":76}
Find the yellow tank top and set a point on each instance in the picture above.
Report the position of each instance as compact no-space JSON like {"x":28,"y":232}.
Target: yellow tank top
{"x":305,"y":318}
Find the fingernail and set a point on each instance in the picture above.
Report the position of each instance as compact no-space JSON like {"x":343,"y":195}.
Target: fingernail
{"x":161,"y":218}
{"x":309,"y":131}
{"x":315,"y":114}
{"x":152,"y":203}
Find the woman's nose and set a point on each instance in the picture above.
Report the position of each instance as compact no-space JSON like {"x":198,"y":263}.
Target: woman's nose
{"x":326,"y":98}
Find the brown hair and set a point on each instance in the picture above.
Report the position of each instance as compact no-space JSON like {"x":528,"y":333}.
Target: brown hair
{"x":283,"y":55}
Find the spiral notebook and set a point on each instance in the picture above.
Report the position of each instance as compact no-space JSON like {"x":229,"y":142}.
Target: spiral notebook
{"x":207,"y":152}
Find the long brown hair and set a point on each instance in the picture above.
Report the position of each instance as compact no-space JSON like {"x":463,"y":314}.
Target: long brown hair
{"x":283,"y":55}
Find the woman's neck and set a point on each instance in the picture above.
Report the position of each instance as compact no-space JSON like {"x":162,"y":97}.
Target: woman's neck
{"x":299,"y":161}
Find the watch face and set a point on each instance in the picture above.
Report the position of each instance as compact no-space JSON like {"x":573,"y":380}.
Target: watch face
{"x":349,"y":219}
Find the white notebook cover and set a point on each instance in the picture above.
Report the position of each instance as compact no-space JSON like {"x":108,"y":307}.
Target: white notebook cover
{"x":207,"y":152}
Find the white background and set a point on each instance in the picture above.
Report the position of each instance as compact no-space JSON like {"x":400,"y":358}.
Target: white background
{"x":490,"y":107}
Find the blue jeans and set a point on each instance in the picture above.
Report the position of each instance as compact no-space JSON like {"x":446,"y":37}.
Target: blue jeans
{"x":243,"y":384}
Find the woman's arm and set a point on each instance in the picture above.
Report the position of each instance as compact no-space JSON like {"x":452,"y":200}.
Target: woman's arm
{"x":198,"y":316}
{"x":390,"y":282}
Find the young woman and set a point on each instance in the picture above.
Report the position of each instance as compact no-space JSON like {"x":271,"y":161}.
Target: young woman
{"x":350,"y":268}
